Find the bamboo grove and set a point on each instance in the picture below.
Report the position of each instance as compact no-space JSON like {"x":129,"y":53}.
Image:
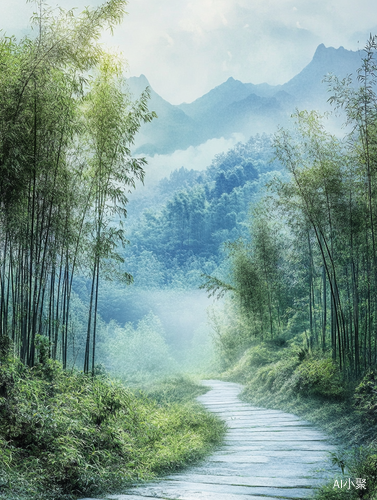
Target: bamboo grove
{"x":311,"y":264}
{"x":66,"y":126}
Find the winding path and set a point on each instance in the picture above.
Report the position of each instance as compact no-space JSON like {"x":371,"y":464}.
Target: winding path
{"x":266,"y":455}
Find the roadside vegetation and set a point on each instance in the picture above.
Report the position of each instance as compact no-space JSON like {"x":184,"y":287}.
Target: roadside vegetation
{"x":67,"y":125}
{"x":66,"y":434}
{"x":284,"y":374}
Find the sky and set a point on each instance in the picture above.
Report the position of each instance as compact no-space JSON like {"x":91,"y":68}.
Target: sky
{"x":187,"y":47}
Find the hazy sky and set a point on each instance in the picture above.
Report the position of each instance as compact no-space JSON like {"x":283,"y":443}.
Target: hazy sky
{"x":186,"y":47}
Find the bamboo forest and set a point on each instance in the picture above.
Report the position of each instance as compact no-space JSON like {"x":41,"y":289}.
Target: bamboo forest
{"x":188,"y":292}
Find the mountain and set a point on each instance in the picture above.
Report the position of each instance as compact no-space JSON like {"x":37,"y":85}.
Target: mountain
{"x":173,"y":129}
{"x":234,"y":106}
{"x":308,"y":86}
{"x":224,"y":95}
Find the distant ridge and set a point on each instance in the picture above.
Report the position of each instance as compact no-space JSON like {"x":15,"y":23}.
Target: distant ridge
{"x":235,"y":106}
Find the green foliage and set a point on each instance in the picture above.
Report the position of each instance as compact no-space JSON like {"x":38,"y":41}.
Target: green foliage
{"x":66,"y":129}
{"x":311,"y":262}
{"x":255,"y":357}
{"x":365,"y":397}
{"x":42,"y":344}
{"x":319,"y":377}
{"x":5,"y":347}
{"x":175,"y":389}
{"x":266,"y":367}
{"x":182,"y":223}
{"x":359,"y":462}
{"x":70,"y":434}
{"x":231,"y":334}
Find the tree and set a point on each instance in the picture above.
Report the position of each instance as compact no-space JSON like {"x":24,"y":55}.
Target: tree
{"x":64,"y":165}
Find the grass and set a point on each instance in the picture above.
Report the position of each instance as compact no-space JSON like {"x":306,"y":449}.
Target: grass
{"x":65,"y":435}
{"x":174,"y":389}
{"x":309,"y":385}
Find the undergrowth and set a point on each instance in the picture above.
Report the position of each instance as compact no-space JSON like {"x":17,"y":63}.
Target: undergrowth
{"x":310,"y":385}
{"x":174,"y":389}
{"x":65,"y":434}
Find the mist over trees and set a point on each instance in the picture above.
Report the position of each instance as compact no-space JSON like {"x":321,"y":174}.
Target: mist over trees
{"x":303,"y":260}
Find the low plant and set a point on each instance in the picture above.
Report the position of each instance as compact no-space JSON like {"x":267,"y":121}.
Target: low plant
{"x":365,"y":397}
{"x":174,"y":389}
{"x":357,"y":478}
{"x":319,"y":377}
{"x":64,"y":434}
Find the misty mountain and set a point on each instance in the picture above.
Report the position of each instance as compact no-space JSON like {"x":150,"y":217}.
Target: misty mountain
{"x":173,"y":129}
{"x":308,"y":86}
{"x":234,"y":106}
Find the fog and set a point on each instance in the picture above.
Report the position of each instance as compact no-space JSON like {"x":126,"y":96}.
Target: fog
{"x":194,"y":157}
{"x":153,"y":333}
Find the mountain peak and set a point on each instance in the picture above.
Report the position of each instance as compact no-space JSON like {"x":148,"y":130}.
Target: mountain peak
{"x":323,"y":52}
{"x":320,"y":50}
{"x":137,"y":84}
{"x":141,"y":80}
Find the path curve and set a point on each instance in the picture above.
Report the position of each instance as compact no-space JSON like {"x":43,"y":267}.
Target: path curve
{"x":266,"y":455}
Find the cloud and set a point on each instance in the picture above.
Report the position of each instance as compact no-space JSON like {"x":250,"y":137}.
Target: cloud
{"x":280,"y":39}
{"x":196,"y":158}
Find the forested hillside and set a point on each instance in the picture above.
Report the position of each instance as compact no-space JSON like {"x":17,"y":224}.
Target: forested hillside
{"x":177,"y":232}
{"x":200,"y":211}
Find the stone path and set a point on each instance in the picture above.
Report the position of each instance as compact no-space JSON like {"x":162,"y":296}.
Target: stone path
{"x":266,"y":455}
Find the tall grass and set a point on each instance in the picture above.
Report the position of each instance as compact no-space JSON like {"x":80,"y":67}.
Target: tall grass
{"x":64,"y":435}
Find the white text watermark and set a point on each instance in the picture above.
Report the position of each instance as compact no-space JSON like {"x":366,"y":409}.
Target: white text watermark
{"x":347,"y":483}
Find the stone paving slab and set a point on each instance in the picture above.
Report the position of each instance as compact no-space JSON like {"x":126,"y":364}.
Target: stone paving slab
{"x":173,"y":490}
{"x":259,"y":470}
{"x":278,"y":445}
{"x":286,"y":482}
{"x":202,"y":495}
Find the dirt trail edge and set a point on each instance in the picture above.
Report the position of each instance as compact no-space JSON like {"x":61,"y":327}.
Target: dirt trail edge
{"x":266,"y":454}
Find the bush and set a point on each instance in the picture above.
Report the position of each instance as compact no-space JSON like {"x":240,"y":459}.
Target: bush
{"x":365,"y":397}
{"x":358,"y":462}
{"x":175,"y":389}
{"x":319,"y":377}
{"x":255,"y":357}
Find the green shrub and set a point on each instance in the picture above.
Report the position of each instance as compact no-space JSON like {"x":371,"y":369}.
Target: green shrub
{"x":358,"y":462}
{"x":319,"y":377}
{"x":283,"y":374}
{"x":174,"y":389}
{"x":365,"y":397}
{"x":253,"y":358}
